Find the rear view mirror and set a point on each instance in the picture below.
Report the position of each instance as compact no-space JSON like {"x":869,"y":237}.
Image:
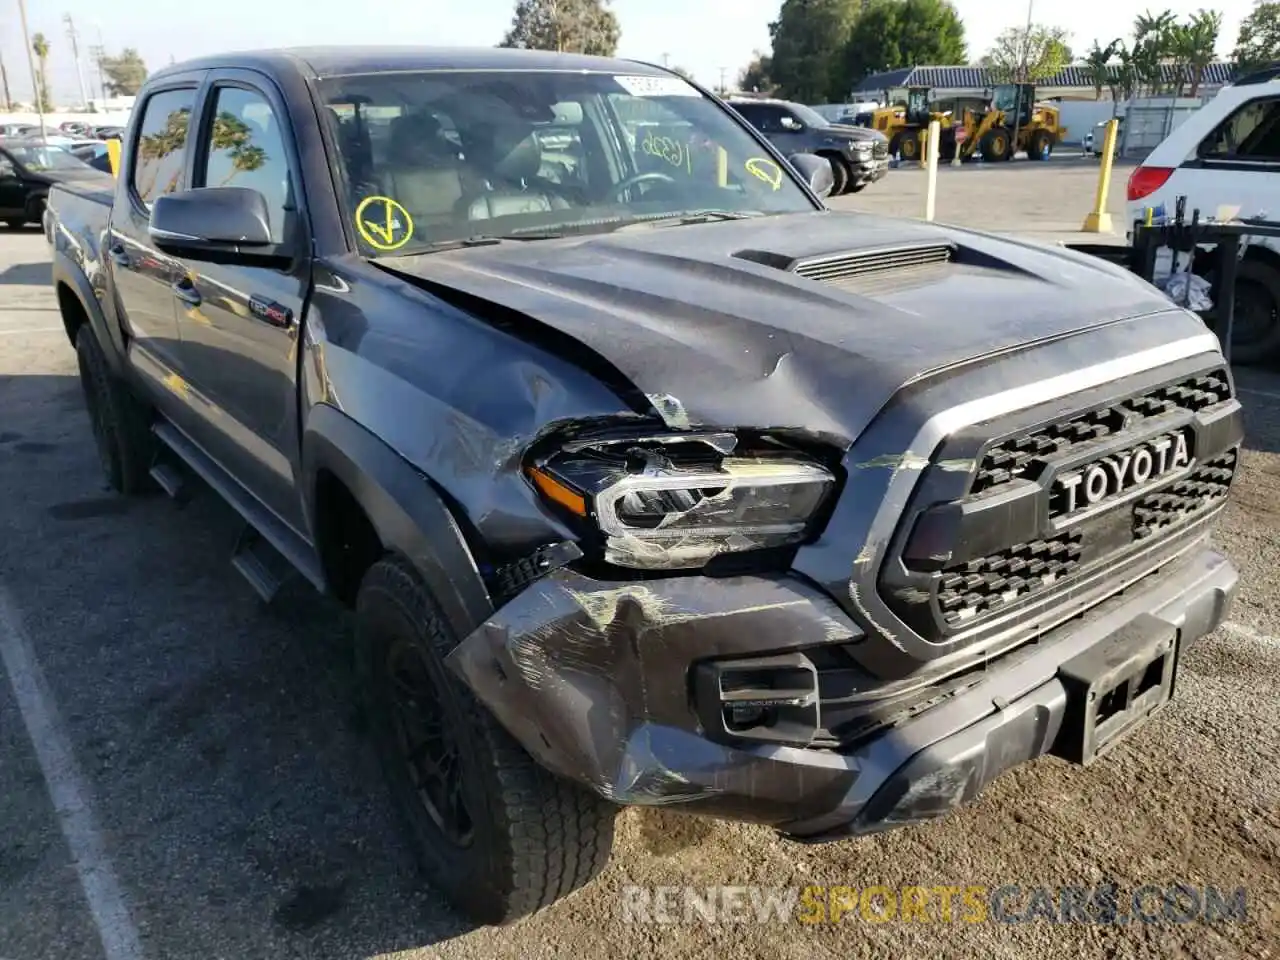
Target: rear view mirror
{"x":815,"y":171}
{"x":212,"y":220}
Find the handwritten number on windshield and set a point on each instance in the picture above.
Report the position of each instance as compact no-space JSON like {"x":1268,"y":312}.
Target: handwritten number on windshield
{"x":669,"y":149}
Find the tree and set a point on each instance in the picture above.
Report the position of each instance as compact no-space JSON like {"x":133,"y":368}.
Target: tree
{"x":757,"y":76}
{"x":40,"y":47}
{"x":809,"y":38}
{"x":568,"y":26}
{"x":125,"y":73}
{"x":1152,"y":45}
{"x":682,"y":72}
{"x":1098,"y":60}
{"x":1193,"y":47}
{"x":1028,"y":56}
{"x":232,"y":134}
{"x":903,"y":33}
{"x":1258,"y":44}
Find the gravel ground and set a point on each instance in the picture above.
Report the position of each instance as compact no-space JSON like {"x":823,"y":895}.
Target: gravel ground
{"x":223,"y":768}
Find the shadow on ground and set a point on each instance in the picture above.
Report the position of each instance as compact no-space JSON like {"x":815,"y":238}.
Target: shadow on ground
{"x":26,"y":274}
{"x":245,"y":812}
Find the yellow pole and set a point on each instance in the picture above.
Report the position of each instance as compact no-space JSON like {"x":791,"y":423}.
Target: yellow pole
{"x":932,"y":145}
{"x":113,"y":155}
{"x":1099,"y":220}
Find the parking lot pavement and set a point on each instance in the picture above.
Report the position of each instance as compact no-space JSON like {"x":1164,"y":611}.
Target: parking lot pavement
{"x":1042,"y":201}
{"x":208,"y":762}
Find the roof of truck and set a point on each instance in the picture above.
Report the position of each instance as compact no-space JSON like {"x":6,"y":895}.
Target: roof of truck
{"x":335,"y":61}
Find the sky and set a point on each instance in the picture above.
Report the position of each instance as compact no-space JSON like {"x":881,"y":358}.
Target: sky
{"x":703,"y":36}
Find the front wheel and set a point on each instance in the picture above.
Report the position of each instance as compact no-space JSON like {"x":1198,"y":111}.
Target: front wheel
{"x":15,"y":223}
{"x":996,"y":146}
{"x":497,"y":834}
{"x":840,"y":175}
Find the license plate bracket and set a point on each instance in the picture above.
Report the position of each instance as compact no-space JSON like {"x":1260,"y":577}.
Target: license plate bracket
{"x":1115,"y":686}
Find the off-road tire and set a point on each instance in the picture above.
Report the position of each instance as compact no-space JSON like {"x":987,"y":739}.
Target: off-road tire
{"x":1257,"y":278}
{"x":909,"y":147}
{"x":996,"y":146}
{"x":840,"y":174}
{"x":120,"y":424}
{"x":535,"y":838}
{"x":1039,"y":140}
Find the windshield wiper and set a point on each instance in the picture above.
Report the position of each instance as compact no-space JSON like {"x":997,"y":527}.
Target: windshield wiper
{"x":694,"y":216}
{"x":487,"y":240}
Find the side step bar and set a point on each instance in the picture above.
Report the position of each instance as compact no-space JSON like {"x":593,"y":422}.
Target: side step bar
{"x":268,"y":551}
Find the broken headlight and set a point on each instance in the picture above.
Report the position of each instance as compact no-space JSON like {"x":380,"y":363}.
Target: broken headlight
{"x":676,"y":502}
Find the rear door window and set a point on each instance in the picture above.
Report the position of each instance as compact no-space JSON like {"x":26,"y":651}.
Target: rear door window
{"x":1251,"y":133}
{"x":160,"y":161}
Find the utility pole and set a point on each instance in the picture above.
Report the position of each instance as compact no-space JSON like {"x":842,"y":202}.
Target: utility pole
{"x":97,"y":52}
{"x":31,"y":65}
{"x":666,"y":60}
{"x":723,"y":89}
{"x":4,"y":81}
{"x":74,"y":37}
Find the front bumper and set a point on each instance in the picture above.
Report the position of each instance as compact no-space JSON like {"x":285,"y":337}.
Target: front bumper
{"x":594,"y":680}
{"x":869,"y":171}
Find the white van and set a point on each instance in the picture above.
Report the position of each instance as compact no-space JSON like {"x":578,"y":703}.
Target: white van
{"x":1225,"y":159}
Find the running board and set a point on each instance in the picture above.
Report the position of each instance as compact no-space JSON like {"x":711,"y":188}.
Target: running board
{"x":168,"y":477}
{"x":266,"y":552}
{"x":260,"y":563}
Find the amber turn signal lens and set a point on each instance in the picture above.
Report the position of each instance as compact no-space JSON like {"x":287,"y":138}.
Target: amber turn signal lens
{"x":557,"y":492}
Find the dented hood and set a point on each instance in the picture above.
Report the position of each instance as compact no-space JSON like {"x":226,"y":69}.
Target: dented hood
{"x":711,"y":324}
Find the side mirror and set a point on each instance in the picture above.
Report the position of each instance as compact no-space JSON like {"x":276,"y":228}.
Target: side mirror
{"x":212,"y":220}
{"x":816,"y":171}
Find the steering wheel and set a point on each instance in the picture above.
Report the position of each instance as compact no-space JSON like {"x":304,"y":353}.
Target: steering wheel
{"x":639,"y":178}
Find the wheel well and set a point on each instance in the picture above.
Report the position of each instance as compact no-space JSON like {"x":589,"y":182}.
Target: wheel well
{"x":349,"y":544}
{"x":73,"y":312}
{"x":1263,"y":254}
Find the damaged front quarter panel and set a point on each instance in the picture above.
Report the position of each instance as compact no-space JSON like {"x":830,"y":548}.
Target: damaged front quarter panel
{"x":591,"y":678}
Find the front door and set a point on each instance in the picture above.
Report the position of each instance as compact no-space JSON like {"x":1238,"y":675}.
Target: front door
{"x":239,"y":323}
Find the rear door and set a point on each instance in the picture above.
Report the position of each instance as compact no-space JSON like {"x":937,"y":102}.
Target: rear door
{"x":13,"y":193}
{"x":1235,"y":166}
{"x":141,"y":275}
{"x":240,"y":323}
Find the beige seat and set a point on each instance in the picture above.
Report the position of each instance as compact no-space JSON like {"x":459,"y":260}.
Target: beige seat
{"x":421,"y":170}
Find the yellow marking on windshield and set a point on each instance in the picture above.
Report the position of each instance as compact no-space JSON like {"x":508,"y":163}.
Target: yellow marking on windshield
{"x":765,"y":169}
{"x":383,"y":223}
{"x":669,"y":149}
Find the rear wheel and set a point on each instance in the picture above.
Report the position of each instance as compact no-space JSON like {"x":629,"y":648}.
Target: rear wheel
{"x":840,"y":174}
{"x":15,"y":223}
{"x":121,"y":431}
{"x":996,"y":145}
{"x":497,"y":834}
{"x":1255,"y":329}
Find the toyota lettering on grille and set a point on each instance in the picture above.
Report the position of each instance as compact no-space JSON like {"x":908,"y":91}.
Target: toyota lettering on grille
{"x":1111,"y":476}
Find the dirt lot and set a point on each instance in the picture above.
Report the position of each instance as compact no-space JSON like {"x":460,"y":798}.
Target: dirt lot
{"x":214,"y":785}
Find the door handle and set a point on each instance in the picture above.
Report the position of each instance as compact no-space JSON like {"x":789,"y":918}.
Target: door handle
{"x":119,"y":256}
{"x":185,"y":291}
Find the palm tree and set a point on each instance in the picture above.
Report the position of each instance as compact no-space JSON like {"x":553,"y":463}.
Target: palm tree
{"x":1151,"y":43}
{"x":1197,"y":41}
{"x":40,"y":47}
{"x":232,"y":134}
{"x":1098,"y":61}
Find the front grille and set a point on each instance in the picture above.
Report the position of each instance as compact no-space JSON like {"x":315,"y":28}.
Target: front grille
{"x":1167,"y":451}
{"x":1017,"y":457}
{"x":842,"y":267}
{"x":1006,"y":577}
{"x":1202,"y":489}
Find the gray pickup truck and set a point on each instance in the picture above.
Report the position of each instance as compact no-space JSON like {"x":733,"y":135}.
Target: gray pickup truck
{"x":858,"y":156}
{"x":649,"y":480}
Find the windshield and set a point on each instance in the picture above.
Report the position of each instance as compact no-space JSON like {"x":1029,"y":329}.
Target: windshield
{"x":47,"y":158}
{"x":433,"y":157}
{"x":808,"y":116}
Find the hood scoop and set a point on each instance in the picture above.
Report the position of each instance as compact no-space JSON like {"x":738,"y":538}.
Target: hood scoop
{"x":864,"y":264}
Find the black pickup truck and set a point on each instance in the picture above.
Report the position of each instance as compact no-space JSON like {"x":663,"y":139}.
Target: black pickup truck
{"x":650,"y":480}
